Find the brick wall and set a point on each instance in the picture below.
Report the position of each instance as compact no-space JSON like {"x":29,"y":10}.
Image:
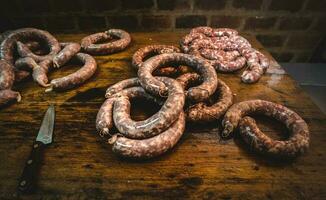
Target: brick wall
{"x":289,"y":29}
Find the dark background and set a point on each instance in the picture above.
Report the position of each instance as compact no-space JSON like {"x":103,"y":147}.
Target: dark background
{"x":292,"y":30}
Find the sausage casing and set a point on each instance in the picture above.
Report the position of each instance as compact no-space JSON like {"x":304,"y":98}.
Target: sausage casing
{"x":80,"y":76}
{"x":237,"y":116}
{"x":68,"y":51}
{"x":213,"y":108}
{"x":90,"y":44}
{"x":199,"y":93}
{"x":155,"y":124}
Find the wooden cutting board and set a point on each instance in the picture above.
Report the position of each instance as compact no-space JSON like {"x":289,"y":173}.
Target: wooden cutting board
{"x":79,"y":165}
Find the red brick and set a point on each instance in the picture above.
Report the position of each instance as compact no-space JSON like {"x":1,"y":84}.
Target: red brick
{"x":319,"y":54}
{"x":210,"y":4}
{"x":320,"y":25}
{"x":101,"y":5}
{"x":6,"y":24}
{"x":303,"y":41}
{"x":303,"y":57}
{"x":295,"y":23}
{"x":156,"y":22}
{"x":271,"y":40}
{"x":36,"y":22}
{"x":256,"y":23}
{"x":282,"y":57}
{"x":247,"y":4}
{"x":128,"y":22}
{"x":36,"y":6}
{"x":190,"y":21}
{"x":58,"y":24}
{"x":316,"y":5}
{"x":173,"y":4}
{"x":226,"y":21}
{"x":10,"y":8}
{"x":136,"y":4}
{"x":88,"y":23}
{"x":66,"y":6}
{"x":288,"y":5}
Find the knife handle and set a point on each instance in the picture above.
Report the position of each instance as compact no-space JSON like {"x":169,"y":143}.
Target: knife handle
{"x":28,"y":179}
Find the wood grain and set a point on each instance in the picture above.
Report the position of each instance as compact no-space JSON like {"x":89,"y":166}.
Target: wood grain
{"x":79,"y":165}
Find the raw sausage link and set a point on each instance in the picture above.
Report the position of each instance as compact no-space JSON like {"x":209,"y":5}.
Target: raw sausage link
{"x":21,"y":75}
{"x":24,"y":51}
{"x":151,"y":147}
{"x":7,"y":78}
{"x":88,"y":43}
{"x":226,"y":51}
{"x":299,"y":132}
{"x":104,"y":119}
{"x":36,"y":47}
{"x":117,"y":87}
{"x":68,"y":51}
{"x":211,"y":110}
{"x":257,"y":65}
{"x":135,"y":148}
{"x":214,"y":32}
{"x":23,"y":66}
{"x":155,"y":124}
{"x":195,"y":94}
{"x":234,"y":42}
{"x":78,"y":77}
{"x":8,"y":45}
{"x":222,"y":61}
{"x":40,"y":72}
{"x":33,"y":45}
{"x":139,"y":57}
{"x":7,"y":75}
{"x":223,"y":53}
{"x":136,"y":92}
{"x":201,"y":32}
{"x":7,"y":96}
{"x":26,"y":63}
{"x":94,"y":38}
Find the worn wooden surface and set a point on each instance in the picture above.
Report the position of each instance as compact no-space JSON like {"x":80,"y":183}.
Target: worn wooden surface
{"x":80,"y":165}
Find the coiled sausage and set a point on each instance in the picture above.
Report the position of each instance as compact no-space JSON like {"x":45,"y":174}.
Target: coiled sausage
{"x":237,"y":116}
{"x":194,"y":94}
{"x":90,"y":44}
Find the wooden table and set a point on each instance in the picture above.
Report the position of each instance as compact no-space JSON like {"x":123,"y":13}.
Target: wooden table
{"x":80,"y":165}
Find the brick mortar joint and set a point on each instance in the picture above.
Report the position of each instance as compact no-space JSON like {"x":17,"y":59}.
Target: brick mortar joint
{"x":231,"y":12}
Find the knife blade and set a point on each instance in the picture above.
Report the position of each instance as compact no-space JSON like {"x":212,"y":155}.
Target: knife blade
{"x":29,"y":176}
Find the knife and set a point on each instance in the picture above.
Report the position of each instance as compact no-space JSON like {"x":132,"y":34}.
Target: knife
{"x":28,"y":178}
